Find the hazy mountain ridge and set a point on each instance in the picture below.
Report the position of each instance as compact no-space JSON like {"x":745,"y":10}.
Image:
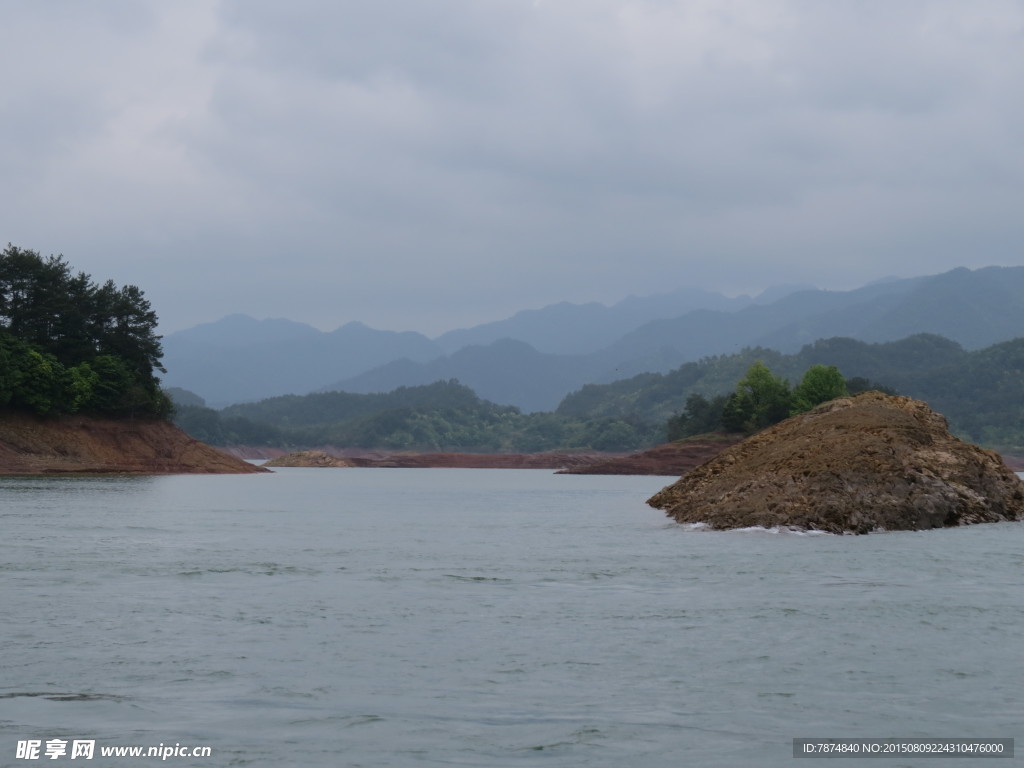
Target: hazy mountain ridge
{"x":973,"y":309}
{"x":226,"y":361}
{"x":579,"y":329}
{"x":240,"y":359}
{"x":508,"y":371}
{"x":780,"y":323}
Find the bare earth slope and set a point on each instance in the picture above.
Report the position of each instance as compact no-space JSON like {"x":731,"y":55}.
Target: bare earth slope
{"x":852,"y":465}
{"x":30,"y":445}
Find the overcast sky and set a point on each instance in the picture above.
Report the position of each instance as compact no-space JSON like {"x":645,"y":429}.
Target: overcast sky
{"x":430,"y":164}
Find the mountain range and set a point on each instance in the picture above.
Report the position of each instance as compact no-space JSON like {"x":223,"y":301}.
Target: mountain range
{"x":535,"y":358}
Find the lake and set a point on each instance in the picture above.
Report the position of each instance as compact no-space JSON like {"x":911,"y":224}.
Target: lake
{"x":448,"y":617}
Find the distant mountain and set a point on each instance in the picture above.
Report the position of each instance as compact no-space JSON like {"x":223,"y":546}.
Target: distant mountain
{"x":542,"y":355}
{"x":785,"y":324}
{"x":239,"y":359}
{"x":578,"y":329}
{"x":509,"y":371}
{"x":972,"y":308}
{"x":241,"y":331}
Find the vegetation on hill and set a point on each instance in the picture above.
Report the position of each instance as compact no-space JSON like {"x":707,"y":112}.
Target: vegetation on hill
{"x":69,"y":345}
{"x":443,"y":416}
{"x":657,"y":397}
{"x":978,"y":391}
{"x":760,"y":399}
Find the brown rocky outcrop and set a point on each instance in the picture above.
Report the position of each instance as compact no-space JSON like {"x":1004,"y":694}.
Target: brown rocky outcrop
{"x":308,"y":459}
{"x":852,"y":465}
{"x":80,"y":444}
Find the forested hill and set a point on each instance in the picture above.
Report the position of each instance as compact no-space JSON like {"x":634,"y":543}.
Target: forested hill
{"x":444,"y":415}
{"x":69,"y":345}
{"x":979,"y":391}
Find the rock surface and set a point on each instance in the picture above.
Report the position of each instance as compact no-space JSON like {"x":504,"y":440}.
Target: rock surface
{"x":81,"y":444}
{"x":308,"y":459}
{"x":852,"y":465}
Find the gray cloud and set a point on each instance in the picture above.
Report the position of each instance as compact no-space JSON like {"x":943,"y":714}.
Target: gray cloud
{"x":427,"y":165}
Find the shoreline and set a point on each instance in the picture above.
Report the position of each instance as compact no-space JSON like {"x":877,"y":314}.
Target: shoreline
{"x":87,"y":445}
{"x":667,"y":459}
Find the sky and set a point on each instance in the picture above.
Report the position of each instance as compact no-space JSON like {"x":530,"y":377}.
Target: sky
{"x":433,"y":164}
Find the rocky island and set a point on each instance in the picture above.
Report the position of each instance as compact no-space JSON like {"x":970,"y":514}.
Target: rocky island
{"x":852,"y":465}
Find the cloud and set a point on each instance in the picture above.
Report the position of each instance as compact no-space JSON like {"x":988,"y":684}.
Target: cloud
{"x":425,"y":165}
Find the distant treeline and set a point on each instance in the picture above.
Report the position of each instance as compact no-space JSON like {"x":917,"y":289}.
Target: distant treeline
{"x":444,"y":416}
{"x":759,"y":400}
{"x":980,"y":392}
{"x":69,"y":345}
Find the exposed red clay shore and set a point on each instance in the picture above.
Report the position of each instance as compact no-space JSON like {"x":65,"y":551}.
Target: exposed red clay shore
{"x":675,"y":458}
{"x":669,"y":459}
{"x":331,"y":458}
{"x":82,"y":444}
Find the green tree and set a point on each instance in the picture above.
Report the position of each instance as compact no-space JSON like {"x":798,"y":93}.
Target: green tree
{"x":760,"y":400}
{"x":113,"y":381}
{"x":859,"y":384}
{"x":80,"y":384}
{"x":820,"y":384}
{"x":700,"y":415}
{"x":38,"y":379}
{"x":68,"y":345}
{"x":125,"y":326}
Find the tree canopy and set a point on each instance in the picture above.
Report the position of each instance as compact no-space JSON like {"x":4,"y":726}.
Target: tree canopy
{"x":70,"y":345}
{"x":443,"y":416}
{"x":820,"y":384}
{"x":759,"y":400}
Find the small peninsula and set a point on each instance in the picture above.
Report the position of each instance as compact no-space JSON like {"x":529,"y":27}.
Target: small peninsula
{"x":78,"y":444}
{"x":852,"y":465}
{"x":78,"y":384}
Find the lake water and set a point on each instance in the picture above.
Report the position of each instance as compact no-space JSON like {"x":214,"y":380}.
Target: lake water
{"x":376,"y":617}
